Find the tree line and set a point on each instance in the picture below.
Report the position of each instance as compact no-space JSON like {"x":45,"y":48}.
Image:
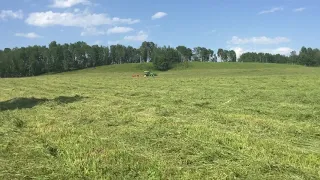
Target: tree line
{"x":306,"y":57}
{"x":37,"y":60}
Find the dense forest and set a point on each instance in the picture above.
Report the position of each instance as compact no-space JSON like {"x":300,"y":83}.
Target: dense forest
{"x":37,"y":60}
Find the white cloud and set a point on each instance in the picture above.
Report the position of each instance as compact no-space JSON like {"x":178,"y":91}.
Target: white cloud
{"x":299,"y":9}
{"x":81,"y":19}
{"x":159,"y":15}
{"x":281,"y":50}
{"x":31,"y":35}
{"x":93,"y":31}
{"x":68,"y":3}
{"x":6,"y":14}
{"x":239,"y":51}
{"x":141,"y":36}
{"x":271,"y":10}
{"x":258,"y":40}
{"x":118,"y":30}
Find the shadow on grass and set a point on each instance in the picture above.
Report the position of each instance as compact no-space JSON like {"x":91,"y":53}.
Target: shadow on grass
{"x":26,"y":103}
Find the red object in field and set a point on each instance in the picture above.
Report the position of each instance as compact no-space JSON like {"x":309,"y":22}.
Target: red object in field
{"x":135,"y":75}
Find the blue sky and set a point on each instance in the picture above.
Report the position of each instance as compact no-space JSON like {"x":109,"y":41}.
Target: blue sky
{"x":275,"y":26}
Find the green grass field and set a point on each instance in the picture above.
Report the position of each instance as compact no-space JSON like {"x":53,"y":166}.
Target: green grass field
{"x":208,"y":121}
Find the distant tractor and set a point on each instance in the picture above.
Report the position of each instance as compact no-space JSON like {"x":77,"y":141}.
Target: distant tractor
{"x":149,"y":74}
{"x":146,"y":74}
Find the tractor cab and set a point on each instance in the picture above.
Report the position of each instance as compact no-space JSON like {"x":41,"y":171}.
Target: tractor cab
{"x":148,"y":73}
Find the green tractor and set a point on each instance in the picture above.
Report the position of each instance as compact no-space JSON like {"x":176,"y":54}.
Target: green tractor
{"x":149,"y":74}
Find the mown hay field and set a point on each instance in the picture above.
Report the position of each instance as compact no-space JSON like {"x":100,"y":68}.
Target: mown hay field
{"x":208,"y":121}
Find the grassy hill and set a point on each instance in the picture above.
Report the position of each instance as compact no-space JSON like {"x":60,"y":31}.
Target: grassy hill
{"x":209,"y":120}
